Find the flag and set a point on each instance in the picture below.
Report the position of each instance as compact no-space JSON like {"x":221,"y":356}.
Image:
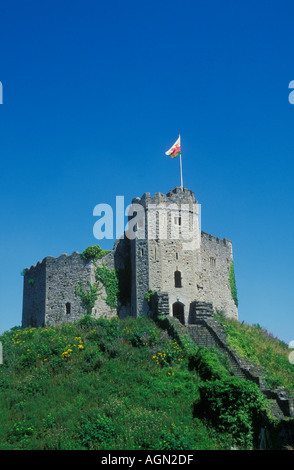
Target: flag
{"x":175,"y":150}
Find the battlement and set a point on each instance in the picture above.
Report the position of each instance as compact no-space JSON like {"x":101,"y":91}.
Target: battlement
{"x":40,"y":264}
{"x":212,"y":238}
{"x":175,"y":196}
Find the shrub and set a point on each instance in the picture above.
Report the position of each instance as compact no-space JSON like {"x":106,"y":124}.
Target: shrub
{"x":94,"y":252}
{"x":93,"y":434}
{"x":141,"y":332}
{"x":234,"y":405}
{"x":177,"y":439}
{"x":93,"y":360}
{"x":210,"y":363}
{"x":149,"y":294}
{"x":167,"y":354}
{"x":87,"y":321}
{"x":21,"y":430}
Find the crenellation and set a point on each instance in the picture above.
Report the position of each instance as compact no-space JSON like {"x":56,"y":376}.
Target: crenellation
{"x":214,"y":239}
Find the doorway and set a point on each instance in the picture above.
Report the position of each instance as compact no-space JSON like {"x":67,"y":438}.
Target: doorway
{"x":178,"y":312}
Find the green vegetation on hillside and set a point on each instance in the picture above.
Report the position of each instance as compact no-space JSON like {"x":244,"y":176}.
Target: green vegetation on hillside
{"x":121,"y":384}
{"x":259,"y":347}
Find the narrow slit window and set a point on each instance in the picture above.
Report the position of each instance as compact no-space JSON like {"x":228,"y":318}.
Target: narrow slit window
{"x":178,"y":279}
{"x":67,"y":308}
{"x":212,"y":262}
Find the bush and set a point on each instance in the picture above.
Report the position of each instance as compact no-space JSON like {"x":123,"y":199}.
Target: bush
{"x":234,"y":405}
{"x":168,"y":353}
{"x":93,"y":360}
{"x":177,"y":439}
{"x":20,"y":431}
{"x":87,"y":321}
{"x":93,"y":434}
{"x":210,"y":363}
{"x":141,"y":332}
{"x":94,"y":252}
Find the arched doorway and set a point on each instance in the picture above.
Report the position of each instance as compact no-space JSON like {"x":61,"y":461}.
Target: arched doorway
{"x":178,"y":311}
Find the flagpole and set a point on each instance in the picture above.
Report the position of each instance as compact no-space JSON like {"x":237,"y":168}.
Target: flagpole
{"x":181,"y":169}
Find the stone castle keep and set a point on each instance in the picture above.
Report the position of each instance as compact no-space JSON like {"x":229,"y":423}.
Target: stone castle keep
{"x":188,"y":277}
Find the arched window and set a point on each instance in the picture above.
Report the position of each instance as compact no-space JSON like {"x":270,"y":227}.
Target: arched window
{"x":178,"y":279}
{"x":67,"y":308}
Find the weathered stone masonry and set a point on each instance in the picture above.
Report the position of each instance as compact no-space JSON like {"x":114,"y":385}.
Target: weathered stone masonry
{"x":49,"y":290}
{"x":197,"y":274}
{"x":185,"y":274}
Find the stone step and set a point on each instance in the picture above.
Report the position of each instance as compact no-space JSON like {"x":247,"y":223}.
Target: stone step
{"x":275,"y":409}
{"x":202,"y":337}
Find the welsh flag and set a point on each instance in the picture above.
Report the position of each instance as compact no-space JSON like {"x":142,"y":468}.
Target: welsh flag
{"x":175,"y":150}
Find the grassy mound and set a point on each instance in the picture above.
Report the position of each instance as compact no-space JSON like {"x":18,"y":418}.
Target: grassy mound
{"x":99,"y":384}
{"x":258,"y":346}
{"x":121,"y":384}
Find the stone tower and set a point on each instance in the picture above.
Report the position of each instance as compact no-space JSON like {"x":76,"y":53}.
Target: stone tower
{"x":173,"y":257}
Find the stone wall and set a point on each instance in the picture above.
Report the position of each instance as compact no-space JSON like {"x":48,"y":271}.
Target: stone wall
{"x":214,"y":286}
{"x":51,"y":299}
{"x":34,"y":295}
{"x":62,"y":274}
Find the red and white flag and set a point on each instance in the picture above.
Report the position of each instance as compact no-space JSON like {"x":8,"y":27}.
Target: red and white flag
{"x":175,"y":150}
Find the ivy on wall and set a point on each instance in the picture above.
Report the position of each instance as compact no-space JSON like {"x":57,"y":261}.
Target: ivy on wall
{"x":89,"y":296}
{"x":109,"y":279}
{"x":232,"y":282}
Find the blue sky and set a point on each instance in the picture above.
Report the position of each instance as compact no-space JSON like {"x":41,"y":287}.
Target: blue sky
{"x":94,"y":93}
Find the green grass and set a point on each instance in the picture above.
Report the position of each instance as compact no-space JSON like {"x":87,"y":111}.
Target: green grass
{"x":106,"y":384}
{"x":120,"y":384}
{"x":258,"y":346}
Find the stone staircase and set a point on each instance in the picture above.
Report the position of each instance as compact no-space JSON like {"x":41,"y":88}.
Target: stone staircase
{"x":207,"y":332}
{"x":275,"y":409}
{"x":202,"y":337}
{"x":162,"y":303}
